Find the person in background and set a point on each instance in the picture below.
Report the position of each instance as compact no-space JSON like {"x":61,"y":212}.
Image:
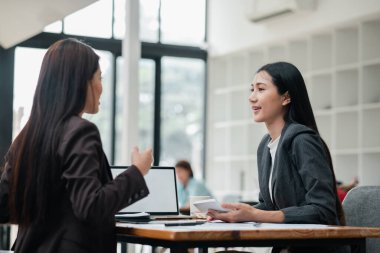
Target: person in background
{"x":56,"y":183}
{"x":343,"y":189}
{"x":188,"y":185}
{"x":296,"y":177}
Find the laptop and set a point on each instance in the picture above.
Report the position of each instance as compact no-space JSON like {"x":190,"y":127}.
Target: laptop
{"x":162,"y":201}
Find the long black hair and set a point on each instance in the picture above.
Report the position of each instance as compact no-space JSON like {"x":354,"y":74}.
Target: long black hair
{"x":61,"y":92}
{"x":288,"y":78}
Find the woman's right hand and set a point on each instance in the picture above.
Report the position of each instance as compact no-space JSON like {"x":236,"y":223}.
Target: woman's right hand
{"x":143,"y":161}
{"x":239,"y":213}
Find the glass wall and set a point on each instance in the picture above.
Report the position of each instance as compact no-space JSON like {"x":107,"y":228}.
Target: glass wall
{"x":89,"y":21}
{"x":174,"y":85}
{"x":27,"y":68}
{"x":183,"y":91}
{"x":103,"y":119}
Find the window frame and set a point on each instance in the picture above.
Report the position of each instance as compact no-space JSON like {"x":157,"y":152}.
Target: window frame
{"x":149,"y":50}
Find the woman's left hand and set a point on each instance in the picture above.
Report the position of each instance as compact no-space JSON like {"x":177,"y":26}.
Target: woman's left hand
{"x":239,"y":213}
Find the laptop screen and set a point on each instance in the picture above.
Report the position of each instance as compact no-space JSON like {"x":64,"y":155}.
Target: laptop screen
{"x":162,"y":198}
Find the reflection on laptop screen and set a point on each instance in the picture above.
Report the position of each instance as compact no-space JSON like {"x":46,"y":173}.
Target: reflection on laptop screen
{"x":162,"y":198}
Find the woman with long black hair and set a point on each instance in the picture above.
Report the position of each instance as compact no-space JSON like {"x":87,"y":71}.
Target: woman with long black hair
{"x":296,"y":177}
{"x":57,"y":184}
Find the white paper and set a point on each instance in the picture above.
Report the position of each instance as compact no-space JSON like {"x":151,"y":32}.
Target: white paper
{"x":205,"y":205}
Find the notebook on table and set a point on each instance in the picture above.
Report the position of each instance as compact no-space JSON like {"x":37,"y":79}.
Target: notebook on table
{"x":162,"y":201}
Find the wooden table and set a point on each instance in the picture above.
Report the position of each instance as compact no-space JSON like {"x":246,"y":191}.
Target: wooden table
{"x":178,"y":239}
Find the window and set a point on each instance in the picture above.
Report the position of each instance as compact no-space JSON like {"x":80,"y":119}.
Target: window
{"x":27,"y":68}
{"x":183,"y":22}
{"x":149,"y":20}
{"x":183,"y":91}
{"x":172,"y":77}
{"x":89,"y":21}
{"x":103,"y":119}
{"x":146,"y":105}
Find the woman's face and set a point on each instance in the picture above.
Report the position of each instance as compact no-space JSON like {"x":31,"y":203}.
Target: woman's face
{"x":183,"y":175}
{"x":266,"y":103}
{"x":94,"y":91}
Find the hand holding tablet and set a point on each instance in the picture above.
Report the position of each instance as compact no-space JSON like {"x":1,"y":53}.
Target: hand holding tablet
{"x":205,"y":205}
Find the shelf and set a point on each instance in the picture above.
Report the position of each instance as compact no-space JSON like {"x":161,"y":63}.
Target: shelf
{"x":371,"y":106}
{"x":353,"y":108}
{"x":251,"y":179}
{"x":239,"y":104}
{"x":371,"y":62}
{"x":321,"y":97}
{"x":323,"y":112}
{"x":237,"y":70}
{"x":224,"y":124}
{"x":255,"y":134}
{"x":220,"y":142}
{"x":276,"y":53}
{"x":341,"y":68}
{"x":219,"y":104}
{"x":237,"y":178}
{"x":371,"y":130}
{"x":218,"y":70}
{"x":321,"y":51}
{"x":370,"y":150}
{"x":346,"y":167}
{"x":297,"y":52}
{"x":256,"y":61}
{"x":242,"y":87}
{"x":347,"y":88}
{"x":219,"y":179}
{"x":371,"y":84}
{"x":324,"y":124}
{"x":352,"y":151}
{"x":347,"y":129}
{"x":238,"y":141}
{"x":369,"y":174}
{"x":347,"y":46}
{"x":351,"y":66}
{"x":235,"y":158}
{"x":370,"y":40}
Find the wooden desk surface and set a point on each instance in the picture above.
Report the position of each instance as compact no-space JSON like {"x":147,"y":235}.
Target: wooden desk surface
{"x":261,"y":232}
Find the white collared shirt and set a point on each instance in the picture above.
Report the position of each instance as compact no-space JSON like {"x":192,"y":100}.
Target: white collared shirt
{"x":273,"y":144}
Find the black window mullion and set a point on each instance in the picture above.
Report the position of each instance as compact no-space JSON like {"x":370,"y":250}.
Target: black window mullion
{"x":7,"y":60}
{"x":157,"y":113}
{"x":113,"y":110}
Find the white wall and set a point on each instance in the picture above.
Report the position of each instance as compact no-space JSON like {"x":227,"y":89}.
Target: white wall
{"x":230,"y":30}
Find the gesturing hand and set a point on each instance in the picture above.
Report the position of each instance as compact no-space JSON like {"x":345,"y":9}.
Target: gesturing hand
{"x":143,"y":161}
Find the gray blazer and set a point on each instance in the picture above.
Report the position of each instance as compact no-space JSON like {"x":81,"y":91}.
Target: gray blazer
{"x":82,"y":219}
{"x":302,"y":181}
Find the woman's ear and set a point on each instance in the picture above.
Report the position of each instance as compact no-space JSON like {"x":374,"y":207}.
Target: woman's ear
{"x":286,"y":99}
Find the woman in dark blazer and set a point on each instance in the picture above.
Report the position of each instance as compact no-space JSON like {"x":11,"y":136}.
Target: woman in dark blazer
{"x":57,"y":184}
{"x":296,"y":177}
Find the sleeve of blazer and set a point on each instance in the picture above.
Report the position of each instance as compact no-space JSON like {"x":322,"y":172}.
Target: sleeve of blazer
{"x":4,"y":195}
{"x":81,"y":152}
{"x":309,"y":158}
{"x":261,"y":205}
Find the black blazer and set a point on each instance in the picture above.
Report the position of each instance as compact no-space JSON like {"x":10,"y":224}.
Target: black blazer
{"x":302,"y":181}
{"x":84,"y":218}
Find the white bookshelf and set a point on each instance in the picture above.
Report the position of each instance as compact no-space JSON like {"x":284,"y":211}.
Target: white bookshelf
{"x":341,"y":68}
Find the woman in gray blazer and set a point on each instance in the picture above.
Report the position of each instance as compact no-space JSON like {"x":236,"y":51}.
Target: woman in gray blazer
{"x":57,"y":184}
{"x":296,"y":177}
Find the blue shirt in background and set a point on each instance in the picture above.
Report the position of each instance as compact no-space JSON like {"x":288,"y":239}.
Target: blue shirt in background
{"x":193,"y":188}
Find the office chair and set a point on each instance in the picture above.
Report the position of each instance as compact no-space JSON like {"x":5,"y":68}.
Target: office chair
{"x":362,"y":208}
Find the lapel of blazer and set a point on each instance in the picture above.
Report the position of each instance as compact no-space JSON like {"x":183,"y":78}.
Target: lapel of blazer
{"x":266,"y":164}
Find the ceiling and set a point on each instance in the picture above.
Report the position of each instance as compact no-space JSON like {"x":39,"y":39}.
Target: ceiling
{"x":22,"y":19}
